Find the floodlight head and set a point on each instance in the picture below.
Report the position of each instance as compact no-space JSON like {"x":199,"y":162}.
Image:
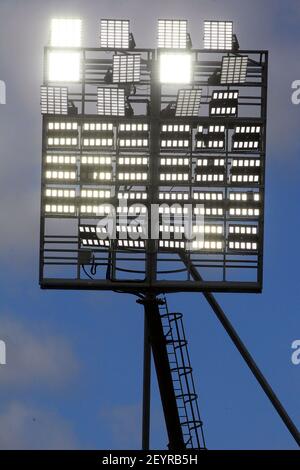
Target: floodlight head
{"x":111,"y":101}
{"x":218,"y":35}
{"x":114,"y":34}
{"x":65,"y":32}
{"x":175,"y":68}
{"x":188,"y":102}
{"x":54,"y":100}
{"x":172,"y":34}
{"x":234,"y":69}
{"x":126,"y":68}
{"x":63,"y":66}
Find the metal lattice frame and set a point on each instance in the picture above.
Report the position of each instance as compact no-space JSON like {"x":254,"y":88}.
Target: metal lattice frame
{"x":62,"y":256}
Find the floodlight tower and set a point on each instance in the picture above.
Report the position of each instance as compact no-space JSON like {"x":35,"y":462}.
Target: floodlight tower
{"x":153,"y":170}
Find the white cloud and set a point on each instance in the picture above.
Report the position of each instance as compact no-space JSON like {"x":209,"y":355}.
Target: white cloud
{"x":26,"y":427}
{"x":35,"y":358}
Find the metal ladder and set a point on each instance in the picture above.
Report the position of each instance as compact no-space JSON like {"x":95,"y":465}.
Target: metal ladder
{"x":182,"y":376}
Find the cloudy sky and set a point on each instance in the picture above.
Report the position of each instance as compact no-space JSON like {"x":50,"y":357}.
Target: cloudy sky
{"x":73,"y":378}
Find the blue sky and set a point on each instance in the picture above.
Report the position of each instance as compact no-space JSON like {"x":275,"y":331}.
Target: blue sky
{"x":73,"y":378}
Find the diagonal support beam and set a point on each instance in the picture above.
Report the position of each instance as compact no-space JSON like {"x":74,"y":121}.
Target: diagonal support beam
{"x":232,"y":333}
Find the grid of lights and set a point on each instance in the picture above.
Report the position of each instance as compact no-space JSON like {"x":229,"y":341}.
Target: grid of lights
{"x":61,"y":160}
{"x":97,"y":126}
{"x":96,"y":166}
{"x":126,"y":68}
{"x":172,"y":34}
{"x":244,"y":204}
{"x":133,"y":161}
{"x":132,"y":176}
{"x":92,"y":142}
{"x":95,"y":193}
{"x":173,"y":196}
{"x":133,"y":142}
{"x":224,"y":103}
{"x":243,"y":237}
{"x":62,"y":126}
{"x":111,"y":101}
{"x":234,"y":70}
{"x":218,"y":35}
{"x":207,"y":245}
{"x":188,"y":102}
{"x":66,"y":209}
{"x":131,"y":244}
{"x":175,"y":143}
{"x":54,"y":100}
{"x":173,"y":177}
{"x":95,"y":160}
{"x":60,"y":193}
{"x":60,"y":175}
{"x":133,"y":196}
{"x":95,"y":210}
{"x":174,"y":161}
{"x":114,"y":34}
{"x":246,"y":137}
{"x":62,"y":141}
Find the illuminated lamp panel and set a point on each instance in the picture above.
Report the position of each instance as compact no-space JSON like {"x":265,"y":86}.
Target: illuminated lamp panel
{"x":60,"y":160}
{"x":244,"y":204}
{"x":173,"y":196}
{"x":243,"y":238}
{"x":131,"y":244}
{"x":172,"y":244}
{"x":133,"y":196}
{"x":54,"y":126}
{"x":60,"y":209}
{"x":93,"y":209}
{"x":95,"y":194}
{"x":62,"y":141}
{"x":58,"y":193}
{"x":137,"y":177}
{"x":60,"y":176}
{"x":173,"y":177}
{"x":245,"y":171}
{"x":224,"y":103}
{"x":212,"y":137}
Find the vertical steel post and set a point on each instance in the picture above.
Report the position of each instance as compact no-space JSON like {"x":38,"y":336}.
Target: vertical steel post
{"x":163,"y":371}
{"x":146,"y":388}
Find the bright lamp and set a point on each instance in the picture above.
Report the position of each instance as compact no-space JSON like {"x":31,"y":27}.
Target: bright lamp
{"x":64,"y":66}
{"x":175,"y":68}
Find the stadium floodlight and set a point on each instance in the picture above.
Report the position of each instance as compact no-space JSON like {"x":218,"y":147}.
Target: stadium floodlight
{"x":111,"y":101}
{"x":126,"y":68}
{"x":54,"y":100}
{"x":175,"y":67}
{"x":244,"y":204}
{"x":64,"y":66}
{"x":188,"y":102}
{"x":172,"y":34}
{"x":65,"y":32}
{"x":243,"y":237}
{"x":234,"y":70}
{"x":224,"y":103}
{"x":114,"y":34}
{"x":246,"y":137}
{"x":218,"y":35}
